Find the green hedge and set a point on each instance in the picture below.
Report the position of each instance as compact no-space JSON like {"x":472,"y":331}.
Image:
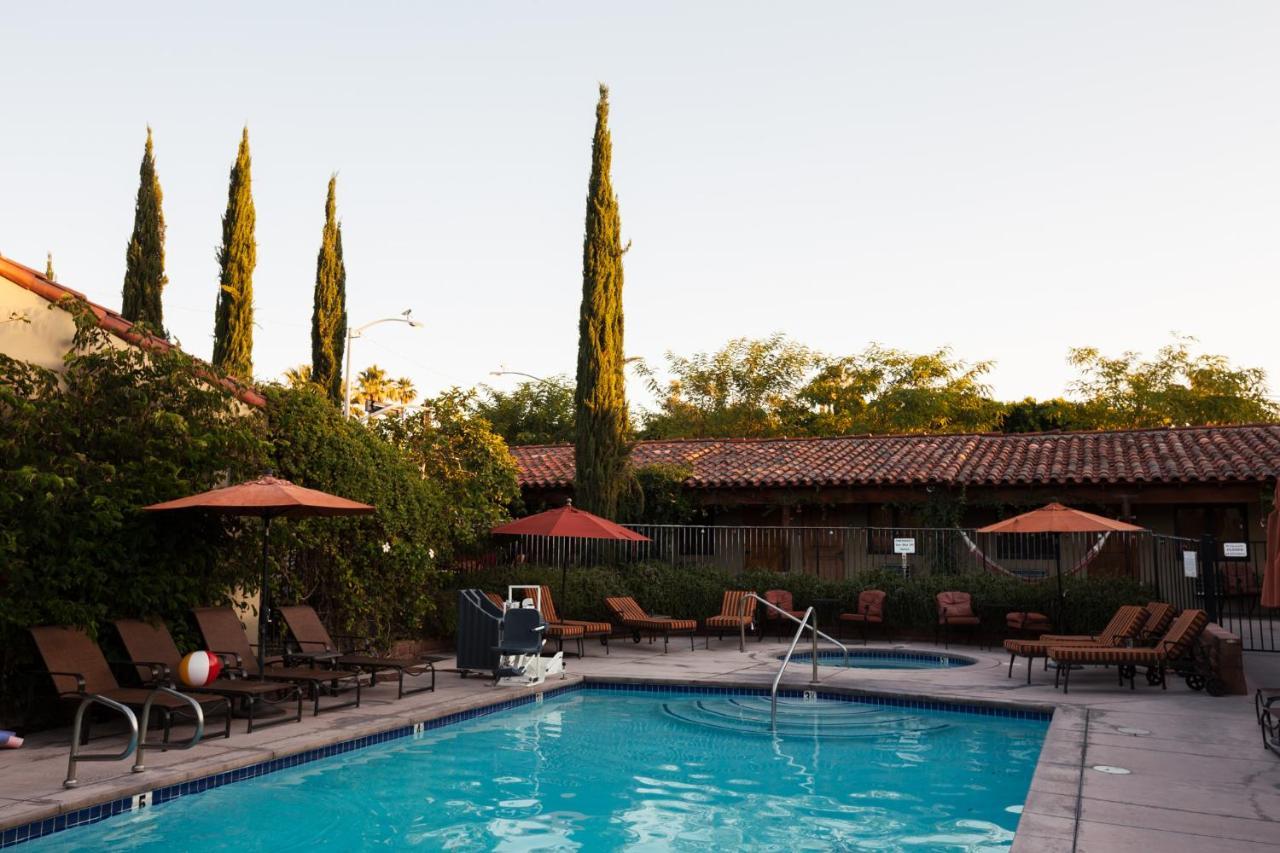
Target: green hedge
{"x":696,"y":592}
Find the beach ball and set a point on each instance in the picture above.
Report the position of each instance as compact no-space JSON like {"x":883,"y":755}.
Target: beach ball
{"x":199,"y":669}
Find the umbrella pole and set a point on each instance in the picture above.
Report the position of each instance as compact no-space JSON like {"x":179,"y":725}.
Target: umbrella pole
{"x":262,"y":596}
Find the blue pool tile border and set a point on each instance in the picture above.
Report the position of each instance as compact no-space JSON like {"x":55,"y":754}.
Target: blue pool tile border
{"x":102,"y":811}
{"x":886,"y":654}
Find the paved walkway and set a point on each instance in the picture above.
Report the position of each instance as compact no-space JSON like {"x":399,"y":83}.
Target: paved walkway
{"x":1199,"y":779}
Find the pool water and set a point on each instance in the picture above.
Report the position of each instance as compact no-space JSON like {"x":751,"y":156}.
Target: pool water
{"x":596,"y":770}
{"x":886,"y":659}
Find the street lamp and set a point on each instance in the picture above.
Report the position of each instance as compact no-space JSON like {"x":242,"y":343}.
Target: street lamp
{"x":352,"y":334}
{"x":517,"y":373}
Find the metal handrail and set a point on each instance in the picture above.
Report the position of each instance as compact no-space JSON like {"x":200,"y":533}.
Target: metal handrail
{"x":94,"y":699}
{"x":773,"y":691}
{"x":743,"y":629}
{"x":164,"y":745}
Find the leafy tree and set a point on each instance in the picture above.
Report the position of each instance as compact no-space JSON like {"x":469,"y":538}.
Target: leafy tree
{"x":80,"y":455}
{"x":602,"y":424}
{"x":535,"y":412}
{"x":298,"y":377}
{"x":884,"y":390}
{"x":1176,"y":388}
{"x":144,"y":276}
{"x":329,"y":308}
{"x":747,"y":388}
{"x":1032,"y":415}
{"x":48,"y":268}
{"x":238,"y":255}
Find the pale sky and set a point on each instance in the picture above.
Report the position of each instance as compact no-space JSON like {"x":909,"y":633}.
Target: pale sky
{"x":1006,"y":178}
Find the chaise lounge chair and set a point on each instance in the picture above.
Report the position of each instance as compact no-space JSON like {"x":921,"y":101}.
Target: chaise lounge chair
{"x":631,"y":615}
{"x":590,"y":629}
{"x":1159,"y":618}
{"x":1176,"y":650}
{"x":314,"y":640}
{"x":737,"y":612}
{"x":152,"y":651}
{"x":225,"y":637}
{"x":870,"y":612}
{"x":79,"y":669}
{"x":1266,"y":703}
{"x":1125,"y":624}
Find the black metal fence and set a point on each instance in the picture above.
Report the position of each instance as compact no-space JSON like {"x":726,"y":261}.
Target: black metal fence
{"x":1225,"y":584}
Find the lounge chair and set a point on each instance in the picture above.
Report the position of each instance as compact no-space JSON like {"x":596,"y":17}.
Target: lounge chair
{"x":1176,"y":650}
{"x":955,"y":610}
{"x":1159,"y":618}
{"x":225,"y":637}
{"x":1125,"y":624}
{"x":152,"y":651}
{"x":631,"y":615}
{"x":783,"y":600}
{"x":870,"y":612}
{"x":590,"y":629}
{"x":737,"y":612}
{"x":79,"y":669}
{"x":1266,"y":702}
{"x":313,"y":639}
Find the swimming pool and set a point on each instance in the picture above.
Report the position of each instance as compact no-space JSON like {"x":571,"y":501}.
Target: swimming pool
{"x":592,"y":769}
{"x":886,"y":659}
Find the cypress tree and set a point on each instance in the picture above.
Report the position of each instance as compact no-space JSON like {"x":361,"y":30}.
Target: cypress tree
{"x":329,"y":307}
{"x":48,"y":269}
{"x":603,"y":427}
{"x":237,"y":256}
{"x":144,"y":276}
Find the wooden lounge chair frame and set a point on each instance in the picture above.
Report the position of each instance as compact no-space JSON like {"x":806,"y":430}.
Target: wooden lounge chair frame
{"x":153,"y":652}
{"x":315,"y":642}
{"x":225,"y":637}
{"x":629,"y":614}
{"x":88,"y":673}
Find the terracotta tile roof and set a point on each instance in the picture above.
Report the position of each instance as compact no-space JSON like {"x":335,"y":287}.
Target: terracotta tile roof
{"x":1229,"y":454}
{"x":29,"y":279}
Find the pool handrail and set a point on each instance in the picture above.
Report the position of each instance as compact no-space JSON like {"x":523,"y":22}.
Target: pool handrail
{"x":165,"y":745}
{"x":742,"y":630}
{"x":773,"y":691}
{"x":75,"y":757}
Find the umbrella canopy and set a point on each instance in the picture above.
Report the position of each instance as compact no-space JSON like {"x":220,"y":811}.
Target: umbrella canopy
{"x":1056,"y":518}
{"x":1271,"y":574}
{"x":569,"y":523}
{"x":267,"y":498}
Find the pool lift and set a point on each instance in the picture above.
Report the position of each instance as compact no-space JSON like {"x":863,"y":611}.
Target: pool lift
{"x":507,"y":641}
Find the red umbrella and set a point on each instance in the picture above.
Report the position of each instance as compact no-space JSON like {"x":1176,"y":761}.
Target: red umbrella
{"x":266,"y":498}
{"x":1271,"y":573}
{"x":569,"y":523}
{"x":1058,"y":519}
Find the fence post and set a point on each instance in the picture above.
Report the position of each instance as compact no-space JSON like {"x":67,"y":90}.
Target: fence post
{"x":1209,"y":575}
{"x":1155,"y":563}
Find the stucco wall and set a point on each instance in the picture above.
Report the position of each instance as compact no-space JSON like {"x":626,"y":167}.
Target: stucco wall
{"x":34,"y":329}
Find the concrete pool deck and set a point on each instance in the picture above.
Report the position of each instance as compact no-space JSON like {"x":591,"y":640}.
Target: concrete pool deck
{"x":1199,"y":778}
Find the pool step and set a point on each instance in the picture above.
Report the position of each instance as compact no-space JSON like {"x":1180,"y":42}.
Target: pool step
{"x":845,"y":720}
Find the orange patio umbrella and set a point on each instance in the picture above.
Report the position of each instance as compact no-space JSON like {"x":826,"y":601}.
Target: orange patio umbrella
{"x":568,"y":522}
{"x":1271,"y":573}
{"x":1058,"y":519}
{"x":267,"y":498}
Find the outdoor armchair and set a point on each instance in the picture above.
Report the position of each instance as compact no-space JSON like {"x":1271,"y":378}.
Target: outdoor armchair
{"x":783,"y":600}
{"x":955,"y":610}
{"x":870,"y":612}
{"x":313,"y":638}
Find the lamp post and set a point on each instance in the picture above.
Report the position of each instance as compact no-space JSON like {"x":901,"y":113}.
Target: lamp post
{"x":518,"y":373}
{"x":352,"y":334}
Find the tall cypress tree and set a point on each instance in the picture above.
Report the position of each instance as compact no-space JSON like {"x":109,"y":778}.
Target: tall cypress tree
{"x":329,"y":307}
{"x":603,"y":427}
{"x":144,"y":276}
{"x":48,"y":269}
{"x":237,"y":256}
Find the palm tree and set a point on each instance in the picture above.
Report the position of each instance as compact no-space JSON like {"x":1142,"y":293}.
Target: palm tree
{"x":372,"y":386}
{"x":298,"y":377}
{"x":403,"y":392}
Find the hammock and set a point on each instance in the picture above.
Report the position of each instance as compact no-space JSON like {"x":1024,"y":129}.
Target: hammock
{"x":992,"y":566}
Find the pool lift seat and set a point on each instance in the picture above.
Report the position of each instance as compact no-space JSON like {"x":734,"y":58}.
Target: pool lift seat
{"x":520,"y":659}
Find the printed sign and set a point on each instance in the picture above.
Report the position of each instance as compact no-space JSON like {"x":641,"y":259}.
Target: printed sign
{"x":1190,"y":564}
{"x":904,"y":546}
{"x":1235,"y":549}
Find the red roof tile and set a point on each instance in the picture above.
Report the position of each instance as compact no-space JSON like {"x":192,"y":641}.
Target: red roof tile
{"x":1155,"y":456}
{"x":29,"y":279}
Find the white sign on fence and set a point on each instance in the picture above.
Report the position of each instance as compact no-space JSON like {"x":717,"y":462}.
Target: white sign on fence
{"x":1190,"y":566}
{"x":1235,"y":549}
{"x":904,"y":546}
